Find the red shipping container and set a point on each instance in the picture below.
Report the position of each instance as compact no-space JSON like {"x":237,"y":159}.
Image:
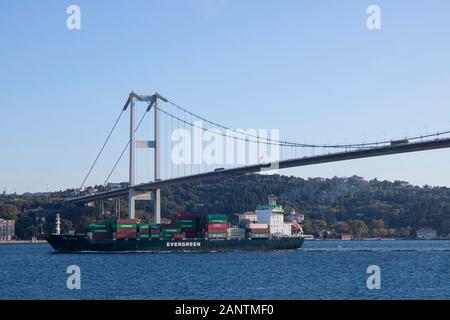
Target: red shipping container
{"x":147,"y":231}
{"x":101,"y":235}
{"x":127,"y":221}
{"x":126,"y":232}
{"x":126,"y":236}
{"x":189,"y":230}
{"x":259,"y":230}
{"x":217,"y":225}
{"x":217,"y":230}
{"x":191,"y":235}
{"x":155,"y":231}
{"x":179,"y":236}
{"x":79,"y":229}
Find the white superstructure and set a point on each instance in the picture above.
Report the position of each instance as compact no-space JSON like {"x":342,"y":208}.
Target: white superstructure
{"x":248,"y":215}
{"x":273,"y":215}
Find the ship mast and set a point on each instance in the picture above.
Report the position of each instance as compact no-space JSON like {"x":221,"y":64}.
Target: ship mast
{"x":58,"y":224}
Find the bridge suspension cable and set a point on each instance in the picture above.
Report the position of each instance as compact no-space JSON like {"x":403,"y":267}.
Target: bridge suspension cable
{"x":268,"y":140}
{"x":104,"y":144}
{"x":287,"y":143}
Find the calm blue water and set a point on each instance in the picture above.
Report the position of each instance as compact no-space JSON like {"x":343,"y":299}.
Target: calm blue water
{"x":320,"y":270}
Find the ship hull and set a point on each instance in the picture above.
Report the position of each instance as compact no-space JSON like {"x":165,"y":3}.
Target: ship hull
{"x":68,"y":244}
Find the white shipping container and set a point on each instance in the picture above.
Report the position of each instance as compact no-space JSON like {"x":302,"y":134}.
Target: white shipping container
{"x":258,"y":226}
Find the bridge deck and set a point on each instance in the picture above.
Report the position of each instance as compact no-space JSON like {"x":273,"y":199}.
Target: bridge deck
{"x":306,"y":161}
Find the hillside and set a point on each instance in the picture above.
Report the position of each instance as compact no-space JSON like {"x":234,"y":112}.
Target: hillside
{"x":338,"y":205}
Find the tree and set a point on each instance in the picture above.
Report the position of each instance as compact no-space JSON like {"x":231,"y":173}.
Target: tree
{"x":359,"y":228}
{"x":9,"y":212}
{"x":378,"y":229}
{"x":343,"y":228}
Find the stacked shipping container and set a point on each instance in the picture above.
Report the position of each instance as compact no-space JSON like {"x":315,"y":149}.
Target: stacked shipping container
{"x":188,"y":223}
{"x":80,"y":231}
{"x":236,"y":233}
{"x":144,"y":231}
{"x":168,"y":230}
{"x":126,"y":228}
{"x":155,"y":231}
{"x":99,"y":231}
{"x":217,"y":226}
{"x":214,"y":226}
{"x":258,"y":231}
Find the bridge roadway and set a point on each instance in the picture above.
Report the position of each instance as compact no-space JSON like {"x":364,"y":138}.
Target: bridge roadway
{"x":305,"y":161}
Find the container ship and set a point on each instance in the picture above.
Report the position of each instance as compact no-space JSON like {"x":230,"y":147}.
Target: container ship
{"x":188,"y":233}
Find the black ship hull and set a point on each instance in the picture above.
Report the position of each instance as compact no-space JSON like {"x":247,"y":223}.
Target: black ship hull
{"x":68,"y":244}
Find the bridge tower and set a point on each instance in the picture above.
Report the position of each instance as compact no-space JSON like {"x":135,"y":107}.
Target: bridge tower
{"x":134,"y":194}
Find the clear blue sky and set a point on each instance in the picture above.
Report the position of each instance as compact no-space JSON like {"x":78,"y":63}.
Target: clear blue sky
{"x":310,"y":68}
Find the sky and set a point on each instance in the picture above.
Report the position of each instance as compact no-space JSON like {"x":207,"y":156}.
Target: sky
{"x":309,"y":68}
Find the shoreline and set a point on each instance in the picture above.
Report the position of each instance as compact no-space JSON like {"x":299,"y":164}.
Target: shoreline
{"x":23,"y":241}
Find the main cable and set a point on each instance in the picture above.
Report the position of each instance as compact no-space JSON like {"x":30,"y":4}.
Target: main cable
{"x":102,"y":148}
{"x":287,"y":143}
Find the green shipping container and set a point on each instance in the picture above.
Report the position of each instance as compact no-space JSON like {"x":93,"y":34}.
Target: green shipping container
{"x":124,"y":226}
{"x":217,"y":216}
{"x":144,"y":227}
{"x":155,"y":226}
{"x":186,"y":221}
{"x":188,"y":226}
{"x":101,"y":231}
{"x":144,"y":236}
{"x":154,"y":236}
{"x":210,"y":221}
{"x":80,"y":234}
{"x":171,"y":230}
{"x":217,"y":235}
{"x":165,"y":234}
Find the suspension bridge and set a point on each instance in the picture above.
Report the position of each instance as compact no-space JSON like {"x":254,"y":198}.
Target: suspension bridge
{"x":245,"y":151}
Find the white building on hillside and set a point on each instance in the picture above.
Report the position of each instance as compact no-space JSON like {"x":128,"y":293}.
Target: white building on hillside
{"x":7,"y":229}
{"x":273,"y":215}
{"x":426,"y":233}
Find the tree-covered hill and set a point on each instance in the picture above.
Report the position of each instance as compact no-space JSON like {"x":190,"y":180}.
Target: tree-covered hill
{"x":331,"y":206}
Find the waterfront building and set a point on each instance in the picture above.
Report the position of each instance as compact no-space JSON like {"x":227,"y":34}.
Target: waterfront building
{"x":297,"y":216}
{"x":346,"y":236}
{"x":7,"y":229}
{"x":426,"y":233}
